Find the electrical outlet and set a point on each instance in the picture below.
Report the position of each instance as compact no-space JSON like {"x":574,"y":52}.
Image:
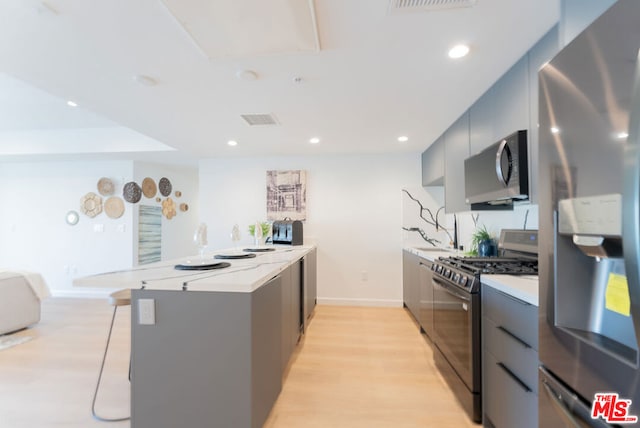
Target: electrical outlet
{"x":146,"y":311}
{"x":98,"y":227}
{"x":364,"y":276}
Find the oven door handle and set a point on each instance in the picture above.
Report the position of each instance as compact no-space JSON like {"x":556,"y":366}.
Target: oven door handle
{"x":451,"y":291}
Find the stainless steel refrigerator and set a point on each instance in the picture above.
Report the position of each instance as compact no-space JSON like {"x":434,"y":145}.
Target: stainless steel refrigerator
{"x":589,"y":201}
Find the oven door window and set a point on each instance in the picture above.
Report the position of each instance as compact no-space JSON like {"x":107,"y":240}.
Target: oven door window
{"x":453,"y":320}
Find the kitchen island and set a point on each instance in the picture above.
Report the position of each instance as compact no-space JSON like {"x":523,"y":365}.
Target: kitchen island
{"x":209,"y":348}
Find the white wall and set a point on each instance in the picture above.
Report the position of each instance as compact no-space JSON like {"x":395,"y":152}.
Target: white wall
{"x":177,"y":233}
{"x":34,"y":236}
{"x":354,"y":214}
{"x":36,"y":196}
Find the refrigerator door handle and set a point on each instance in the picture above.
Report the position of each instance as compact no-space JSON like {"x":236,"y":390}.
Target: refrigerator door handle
{"x":567,"y":417}
{"x":631,"y":204}
{"x":573,"y":411}
{"x":503,"y":176}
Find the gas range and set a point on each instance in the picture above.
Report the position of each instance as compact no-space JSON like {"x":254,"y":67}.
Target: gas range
{"x":456,"y":319}
{"x":519,"y":256}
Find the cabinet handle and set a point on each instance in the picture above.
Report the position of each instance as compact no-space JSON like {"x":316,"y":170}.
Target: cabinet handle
{"x":514,"y":337}
{"x":514,"y":377}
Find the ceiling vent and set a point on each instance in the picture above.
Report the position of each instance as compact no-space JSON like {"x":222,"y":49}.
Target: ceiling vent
{"x":397,"y":6}
{"x":259,"y":119}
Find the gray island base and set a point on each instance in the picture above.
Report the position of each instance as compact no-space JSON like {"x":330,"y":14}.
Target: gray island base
{"x":214,"y":357}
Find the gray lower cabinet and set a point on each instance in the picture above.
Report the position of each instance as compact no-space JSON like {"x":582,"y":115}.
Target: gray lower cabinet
{"x":425,"y":277}
{"x":509,"y":361}
{"x":411,"y":283}
{"x":217,"y":359}
{"x":291,"y":293}
{"x":209,"y":360}
{"x":310,"y":293}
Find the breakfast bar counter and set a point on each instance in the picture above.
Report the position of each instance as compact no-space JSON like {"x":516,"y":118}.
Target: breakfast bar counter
{"x":209,"y":348}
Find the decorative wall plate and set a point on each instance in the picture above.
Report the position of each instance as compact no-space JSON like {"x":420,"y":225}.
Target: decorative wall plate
{"x":105,"y":186}
{"x":184,"y":207}
{"x":168,"y":208}
{"x":132,"y":192}
{"x":91,"y":204}
{"x":114,"y":207}
{"x":178,"y":193}
{"x":165,"y":186}
{"x":149,"y":188}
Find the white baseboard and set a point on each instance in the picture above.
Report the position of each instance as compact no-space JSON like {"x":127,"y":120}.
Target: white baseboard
{"x":84,"y":293}
{"x":359,"y":302}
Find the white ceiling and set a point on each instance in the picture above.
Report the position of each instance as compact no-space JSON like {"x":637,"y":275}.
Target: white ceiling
{"x":376,"y":76}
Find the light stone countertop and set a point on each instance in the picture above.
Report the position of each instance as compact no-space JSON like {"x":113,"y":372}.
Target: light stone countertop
{"x":430,"y":253}
{"x":243,"y":276}
{"x":523,"y":287}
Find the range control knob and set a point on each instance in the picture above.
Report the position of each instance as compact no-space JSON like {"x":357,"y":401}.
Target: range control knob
{"x":447,"y":273}
{"x":463,"y":280}
{"x":455,"y":277}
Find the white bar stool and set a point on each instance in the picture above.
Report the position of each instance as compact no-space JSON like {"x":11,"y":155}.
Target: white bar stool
{"x":118,"y":298}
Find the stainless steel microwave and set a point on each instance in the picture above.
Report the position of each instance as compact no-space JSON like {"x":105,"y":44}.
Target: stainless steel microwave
{"x":498,"y":175}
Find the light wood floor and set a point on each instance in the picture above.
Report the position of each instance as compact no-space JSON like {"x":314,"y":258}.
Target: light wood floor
{"x":356,"y":367}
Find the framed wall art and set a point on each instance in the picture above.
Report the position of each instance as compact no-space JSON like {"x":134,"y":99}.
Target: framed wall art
{"x":287,"y":195}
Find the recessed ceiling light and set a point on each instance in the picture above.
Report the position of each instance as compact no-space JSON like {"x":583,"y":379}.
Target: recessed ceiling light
{"x":314,"y":140}
{"x":246,"y":75}
{"x":458,"y":51}
{"x":232,"y":143}
{"x":46,"y":8}
{"x":622,"y":135}
{"x":555,"y":130}
{"x":403,"y":139}
{"x":145,"y":80}
{"x":71,"y":104}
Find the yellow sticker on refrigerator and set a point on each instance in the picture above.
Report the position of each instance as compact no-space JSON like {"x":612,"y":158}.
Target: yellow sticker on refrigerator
{"x":617,"y":295}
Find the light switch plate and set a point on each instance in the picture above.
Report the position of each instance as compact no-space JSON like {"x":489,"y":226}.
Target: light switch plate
{"x":146,"y":311}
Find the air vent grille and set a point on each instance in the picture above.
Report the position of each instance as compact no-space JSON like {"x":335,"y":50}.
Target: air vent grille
{"x":396,"y":6}
{"x":259,"y":119}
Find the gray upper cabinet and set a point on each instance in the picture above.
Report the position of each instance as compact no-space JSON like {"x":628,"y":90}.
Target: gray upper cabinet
{"x":433,"y":164}
{"x":511,"y":104}
{"x":541,"y":53}
{"x":502,"y":110}
{"x":481,"y":133}
{"x":511,"y":109}
{"x":456,"y":150}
